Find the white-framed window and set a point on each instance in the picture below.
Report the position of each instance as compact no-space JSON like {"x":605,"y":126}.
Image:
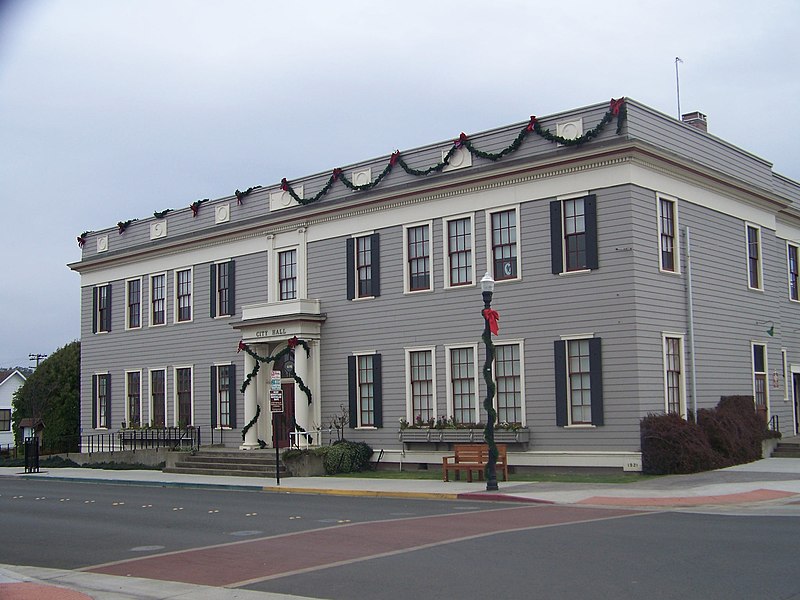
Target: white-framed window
{"x":222,"y":282}
{"x":133,"y":303}
{"x":793,"y":271}
{"x":421,"y":384}
{"x":508,"y":377}
{"x":503,"y":242}
{"x":760,"y":384}
{"x":158,"y":397}
{"x":579,"y":383}
{"x":101,"y":308}
{"x":754,"y":258}
{"x":365,"y":390}
{"x":668,"y":239}
{"x":459,"y":251}
{"x":133,"y":398}
{"x":573,"y":234}
{"x":184,"y":396}
{"x":674,"y":373}
{"x":785,"y":373}
{"x":158,"y":299}
{"x":101,"y":384}
{"x":417,"y":257}
{"x":287,"y":274}
{"x":5,"y":419}
{"x":183,"y":295}
{"x":223,"y":390}
{"x":462,"y":382}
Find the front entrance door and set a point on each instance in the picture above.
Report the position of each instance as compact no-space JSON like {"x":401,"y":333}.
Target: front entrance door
{"x":796,"y":396}
{"x":283,"y":423}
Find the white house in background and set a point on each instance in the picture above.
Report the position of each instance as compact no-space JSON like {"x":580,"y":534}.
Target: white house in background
{"x":10,"y":382}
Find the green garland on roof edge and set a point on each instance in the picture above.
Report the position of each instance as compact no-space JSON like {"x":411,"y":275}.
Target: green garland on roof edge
{"x":195,"y":206}
{"x":616,"y":109}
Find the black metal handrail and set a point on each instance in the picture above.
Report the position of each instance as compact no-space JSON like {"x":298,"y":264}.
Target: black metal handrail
{"x":774,"y":423}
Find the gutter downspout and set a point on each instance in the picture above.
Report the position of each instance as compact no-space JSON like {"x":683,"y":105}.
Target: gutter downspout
{"x":690,"y":306}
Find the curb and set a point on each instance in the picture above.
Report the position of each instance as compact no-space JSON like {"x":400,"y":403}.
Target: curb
{"x":363,"y":493}
{"x":183,"y":484}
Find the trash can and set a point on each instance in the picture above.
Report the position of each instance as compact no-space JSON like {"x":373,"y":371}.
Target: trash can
{"x":32,"y":455}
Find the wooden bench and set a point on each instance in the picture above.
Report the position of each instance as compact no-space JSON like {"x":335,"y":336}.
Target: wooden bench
{"x":473,"y":457}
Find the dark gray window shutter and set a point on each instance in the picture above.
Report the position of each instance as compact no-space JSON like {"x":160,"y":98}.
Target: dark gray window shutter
{"x":214,"y":407}
{"x":94,"y":401}
{"x":107,"y":320}
{"x":351,"y":268}
{"x":109,"y":420}
{"x":94,"y":310}
{"x":352,"y":391}
{"x":233,"y":390}
{"x":596,"y":381}
{"x":376,"y":265}
{"x":556,"y":239}
{"x":560,"y":354}
{"x":590,"y":216}
{"x":377,"y":390}
{"x":213,"y":295}
{"x":232,"y":288}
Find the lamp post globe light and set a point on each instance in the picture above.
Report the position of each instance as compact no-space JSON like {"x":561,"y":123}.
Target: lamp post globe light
{"x":489,"y":326}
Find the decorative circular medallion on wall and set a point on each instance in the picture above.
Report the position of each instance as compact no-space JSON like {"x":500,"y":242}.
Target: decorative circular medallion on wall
{"x":158,"y":229}
{"x":102,"y":243}
{"x":222,"y":213}
{"x":363,"y":177}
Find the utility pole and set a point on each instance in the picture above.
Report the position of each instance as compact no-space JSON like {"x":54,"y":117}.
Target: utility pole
{"x":37,"y":357}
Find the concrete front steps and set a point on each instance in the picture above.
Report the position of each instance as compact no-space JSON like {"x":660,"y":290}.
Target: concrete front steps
{"x":787,"y":448}
{"x":240,"y":463}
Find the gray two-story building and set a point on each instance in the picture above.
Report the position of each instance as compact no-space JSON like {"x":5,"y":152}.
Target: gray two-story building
{"x":641,"y":265}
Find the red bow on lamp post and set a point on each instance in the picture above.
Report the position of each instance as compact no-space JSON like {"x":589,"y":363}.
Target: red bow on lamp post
{"x":493,"y":317}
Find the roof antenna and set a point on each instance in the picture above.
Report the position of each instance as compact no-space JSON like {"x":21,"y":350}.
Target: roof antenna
{"x":678,"y":85}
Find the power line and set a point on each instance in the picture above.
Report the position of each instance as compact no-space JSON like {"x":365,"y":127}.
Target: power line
{"x":37,"y":357}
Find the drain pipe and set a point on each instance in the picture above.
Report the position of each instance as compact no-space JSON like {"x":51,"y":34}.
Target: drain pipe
{"x":690,"y":303}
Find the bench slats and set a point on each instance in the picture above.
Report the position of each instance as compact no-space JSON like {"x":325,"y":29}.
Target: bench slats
{"x":473,"y":457}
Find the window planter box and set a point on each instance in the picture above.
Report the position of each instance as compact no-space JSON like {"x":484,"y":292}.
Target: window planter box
{"x":463,"y":436}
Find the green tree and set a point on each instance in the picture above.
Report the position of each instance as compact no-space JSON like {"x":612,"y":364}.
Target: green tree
{"x":52,"y":394}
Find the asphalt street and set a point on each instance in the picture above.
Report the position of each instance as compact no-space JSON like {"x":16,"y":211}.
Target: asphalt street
{"x":336,"y":547}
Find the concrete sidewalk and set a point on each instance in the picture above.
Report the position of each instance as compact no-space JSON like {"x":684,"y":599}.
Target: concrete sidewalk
{"x":765,"y":483}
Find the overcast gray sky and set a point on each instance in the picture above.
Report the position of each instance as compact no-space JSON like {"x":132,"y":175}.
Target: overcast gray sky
{"x":113,"y":109}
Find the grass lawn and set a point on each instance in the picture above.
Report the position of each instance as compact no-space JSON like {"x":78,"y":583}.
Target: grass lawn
{"x":436,"y":473}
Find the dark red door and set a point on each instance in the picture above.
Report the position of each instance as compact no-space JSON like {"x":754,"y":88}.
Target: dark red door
{"x":283,"y":423}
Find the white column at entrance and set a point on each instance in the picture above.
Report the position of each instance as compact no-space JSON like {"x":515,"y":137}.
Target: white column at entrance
{"x":250,"y":405}
{"x":301,"y":408}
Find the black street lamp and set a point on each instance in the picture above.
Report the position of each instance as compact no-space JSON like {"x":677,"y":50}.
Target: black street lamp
{"x":490,"y":326}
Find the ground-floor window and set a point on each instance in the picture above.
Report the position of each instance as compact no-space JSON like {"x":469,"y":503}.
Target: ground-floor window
{"x":183,"y":396}
{"x":102,"y":401}
{"x":365,"y":390}
{"x":462,"y":384}
{"x":158,"y":398}
{"x":5,"y":419}
{"x":421,"y":388}
{"x":508,"y":379}
{"x":133,"y":394}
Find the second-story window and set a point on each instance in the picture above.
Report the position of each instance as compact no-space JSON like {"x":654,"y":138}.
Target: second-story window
{"x":418,"y":256}
{"x":754,"y":257}
{"x":794,"y":271}
{"x":183,"y":291}
{"x":134,"y":303}
{"x":287,"y":274}
{"x":504,"y":244}
{"x":666,"y":230}
{"x":158,"y":299}
{"x":101,"y":300}
{"x":574,"y":234}
{"x":459,"y":251}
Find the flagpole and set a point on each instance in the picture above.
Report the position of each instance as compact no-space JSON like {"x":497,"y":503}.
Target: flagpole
{"x":678,"y":85}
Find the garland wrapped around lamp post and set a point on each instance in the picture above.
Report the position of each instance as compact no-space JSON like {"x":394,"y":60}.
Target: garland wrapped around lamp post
{"x":490,"y":318}
{"x":291,"y":344}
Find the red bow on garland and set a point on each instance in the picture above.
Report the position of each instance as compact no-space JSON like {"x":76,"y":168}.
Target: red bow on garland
{"x":292,"y":343}
{"x":616,"y":106}
{"x":492,"y":316}
{"x":242,"y":346}
{"x":532,"y":124}
{"x":284,"y":185}
{"x":395,"y":156}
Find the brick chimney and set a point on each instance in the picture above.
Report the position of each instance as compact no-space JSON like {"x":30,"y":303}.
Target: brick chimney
{"x":696,"y":119}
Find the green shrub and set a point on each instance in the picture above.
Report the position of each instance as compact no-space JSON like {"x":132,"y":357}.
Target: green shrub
{"x":347,"y":457}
